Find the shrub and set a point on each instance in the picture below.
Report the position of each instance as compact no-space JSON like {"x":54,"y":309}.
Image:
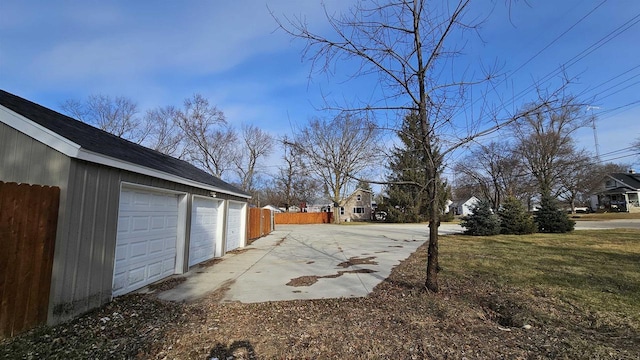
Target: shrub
{"x":482,"y":221}
{"x":395,"y":215}
{"x":447,"y":217}
{"x":551,"y":219}
{"x":514,"y":218}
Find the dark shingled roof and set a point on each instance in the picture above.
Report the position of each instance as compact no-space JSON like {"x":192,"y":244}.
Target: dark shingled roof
{"x":631,"y":180}
{"x":102,"y":142}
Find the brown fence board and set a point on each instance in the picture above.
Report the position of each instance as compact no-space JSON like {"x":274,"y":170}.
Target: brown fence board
{"x":28,"y":220}
{"x":8,"y":256}
{"x":304,"y":218}
{"x":254,"y":223}
{"x":24,"y":263}
{"x":266,"y":222}
{"x":259,"y":223}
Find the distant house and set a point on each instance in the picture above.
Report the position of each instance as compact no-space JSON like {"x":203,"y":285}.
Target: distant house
{"x":313,"y":208}
{"x":293,"y":209}
{"x":128,"y":215}
{"x":273,"y":209}
{"x":357,"y":206}
{"x":464,"y":207}
{"x":619,"y":192}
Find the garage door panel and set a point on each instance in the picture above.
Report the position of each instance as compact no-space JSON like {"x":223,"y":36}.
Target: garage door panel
{"x":124,"y":222}
{"x":119,"y":281}
{"x":155,"y":269}
{"x":205,"y":229}
{"x":158,"y":222}
{"x":146,"y":240}
{"x":168,"y":266}
{"x":136,"y":275}
{"x":234,"y":226}
{"x":137,"y":250}
{"x":121,"y":252}
{"x":156,"y":246}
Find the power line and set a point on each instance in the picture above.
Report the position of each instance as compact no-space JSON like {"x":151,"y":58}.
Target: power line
{"x":595,"y":46}
{"x":584,"y":92}
{"x":619,"y":150}
{"x":619,"y":157}
{"x":619,"y":90}
{"x":572,"y":61}
{"x":536,"y":55}
{"x":557,"y":38}
{"x":617,"y":108}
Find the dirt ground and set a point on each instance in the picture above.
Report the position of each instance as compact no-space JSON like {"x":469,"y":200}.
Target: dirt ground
{"x":470,"y":318}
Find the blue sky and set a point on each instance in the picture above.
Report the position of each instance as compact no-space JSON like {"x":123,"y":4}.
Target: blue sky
{"x":159,"y":53}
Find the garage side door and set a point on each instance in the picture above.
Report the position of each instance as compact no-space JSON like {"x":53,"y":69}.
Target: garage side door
{"x":146,"y":240}
{"x":235,"y":226}
{"x":205,"y":229}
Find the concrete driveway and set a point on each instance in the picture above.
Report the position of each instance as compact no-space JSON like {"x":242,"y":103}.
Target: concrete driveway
{"x":307,"y":262}
{"x":317,"y":261}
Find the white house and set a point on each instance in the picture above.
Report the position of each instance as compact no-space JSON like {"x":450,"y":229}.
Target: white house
{"x":464,"y":207}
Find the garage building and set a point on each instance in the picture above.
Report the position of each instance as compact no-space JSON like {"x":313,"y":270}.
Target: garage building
{"x":128,"y":215}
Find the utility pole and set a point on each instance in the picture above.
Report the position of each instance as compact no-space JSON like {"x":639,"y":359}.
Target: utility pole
{"x":595,"y":132}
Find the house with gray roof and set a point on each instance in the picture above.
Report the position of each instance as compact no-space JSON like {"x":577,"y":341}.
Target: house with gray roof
{"x":619,"y":192}
{"x":128,"y":216}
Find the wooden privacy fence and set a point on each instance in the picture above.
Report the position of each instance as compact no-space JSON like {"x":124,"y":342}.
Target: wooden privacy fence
{"x":28,"y":221}
{"x":304,"y":218}
{"x":259,"y":223}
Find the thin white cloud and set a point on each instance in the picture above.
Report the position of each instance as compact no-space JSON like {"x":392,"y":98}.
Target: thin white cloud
{"x":131,"y":41}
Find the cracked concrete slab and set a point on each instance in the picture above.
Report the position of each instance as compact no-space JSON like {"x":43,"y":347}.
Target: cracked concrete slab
{"x":327,"y":260}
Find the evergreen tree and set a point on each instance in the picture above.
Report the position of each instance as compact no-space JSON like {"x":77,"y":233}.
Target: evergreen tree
{"x":551,"y":219}
{"x":407,"y":197}
{"x":514,"y":218}
{"x":482,"y":221}
{"x":364,"y":185}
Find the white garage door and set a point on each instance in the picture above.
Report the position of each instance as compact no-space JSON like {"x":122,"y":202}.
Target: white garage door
{"x":146,"y":240}
{"x":206,"y":220}
{"x":235,"y":226}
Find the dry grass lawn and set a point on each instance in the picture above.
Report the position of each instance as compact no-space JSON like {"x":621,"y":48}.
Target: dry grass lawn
{"x":573,"y":296}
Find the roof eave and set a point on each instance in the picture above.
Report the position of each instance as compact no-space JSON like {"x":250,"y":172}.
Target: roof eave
{"x":71,"y":149}
{"x":119,"y":164}
{"x":38,"y":132}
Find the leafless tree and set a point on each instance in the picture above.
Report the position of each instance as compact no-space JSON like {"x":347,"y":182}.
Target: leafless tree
{"x":336,"y":150}
{"x":577,"y":179}
{"x":411,"y":46}
{"x":114,"y":115}
{"x":545,"y":143}
{"x":495,"y":171}
{"x":165,"y":135}
{"x":256,"y":144}
{"x":293,"y":183}
{"x":210,"y":141}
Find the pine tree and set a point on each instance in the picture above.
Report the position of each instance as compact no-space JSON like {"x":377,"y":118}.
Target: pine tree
{"x":482,"y":221}
{"x":407,"y":196}
{"x":551,"y":219}
{"x":514,"y":218}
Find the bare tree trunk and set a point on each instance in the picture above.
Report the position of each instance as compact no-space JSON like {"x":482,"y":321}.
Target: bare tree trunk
{"x":336,"y":214}
{"x":434,"y":222}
